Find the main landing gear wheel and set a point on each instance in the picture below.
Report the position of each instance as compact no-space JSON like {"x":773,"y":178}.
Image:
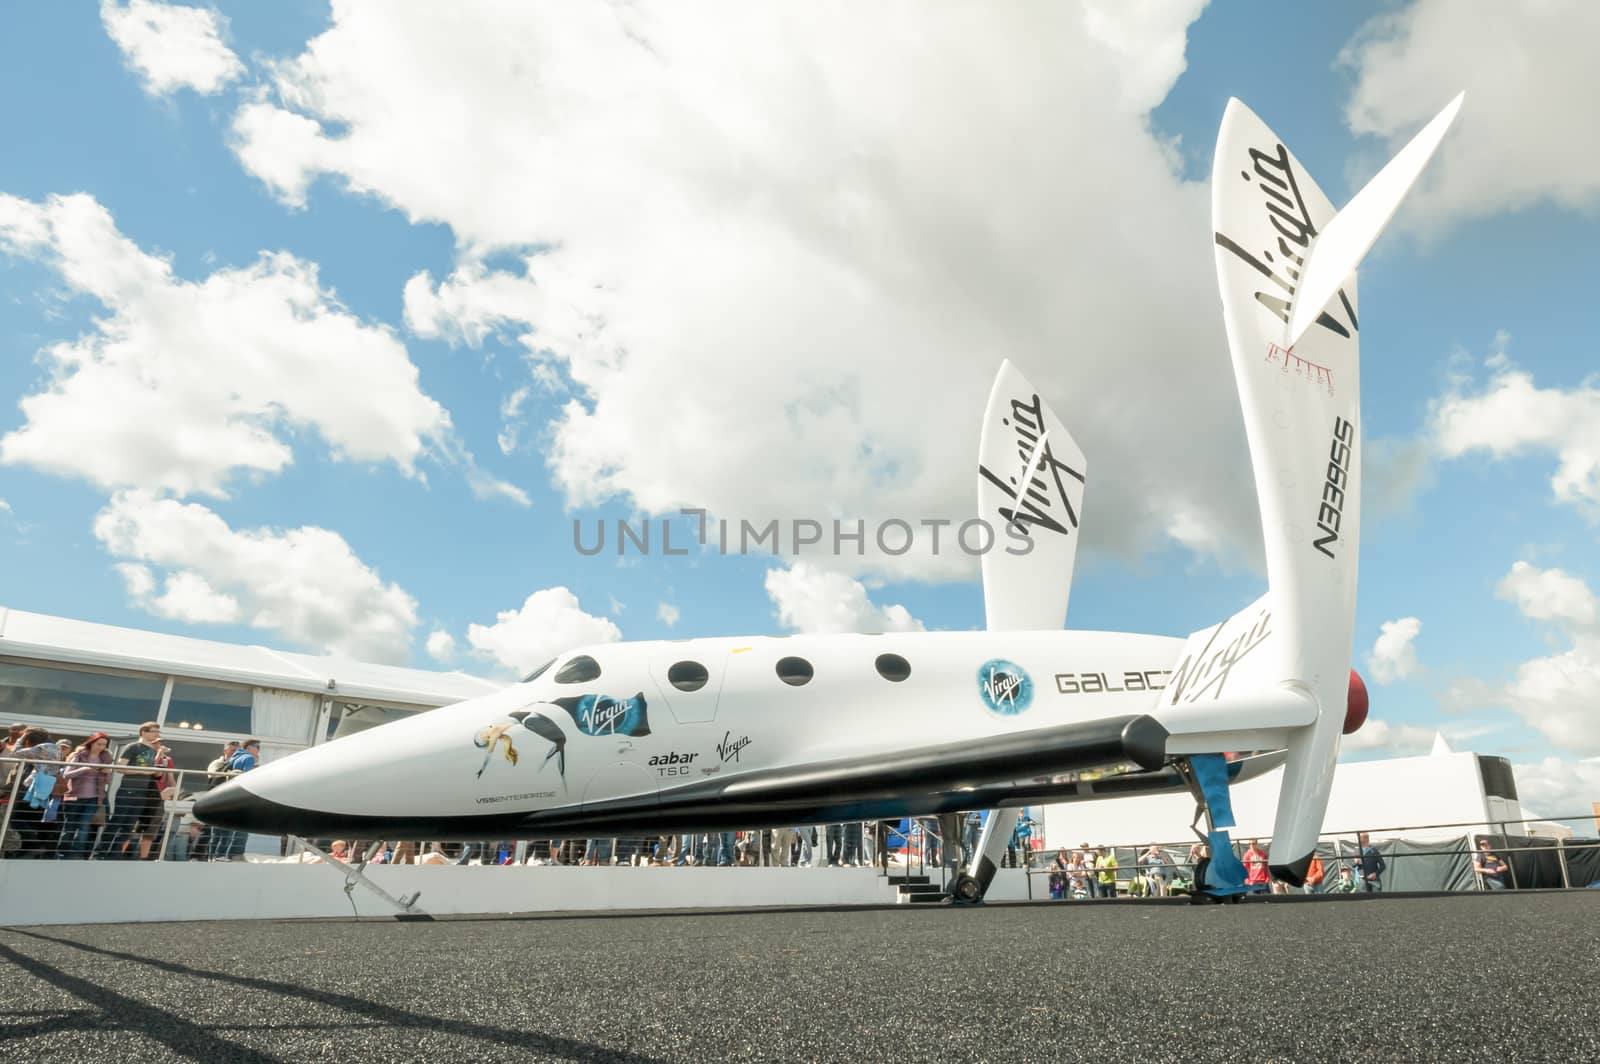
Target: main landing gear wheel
{"x":966,"y":891}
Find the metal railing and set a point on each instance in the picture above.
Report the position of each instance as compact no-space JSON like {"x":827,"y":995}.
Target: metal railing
{"x":1347,"y":853}
{"x":29,"y":832}
{"x":141,"y":824}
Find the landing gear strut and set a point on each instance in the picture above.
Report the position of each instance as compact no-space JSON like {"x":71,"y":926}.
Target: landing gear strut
{"x":973,"y":883}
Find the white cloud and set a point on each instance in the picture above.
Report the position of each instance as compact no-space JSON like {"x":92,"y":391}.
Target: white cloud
{"x":139,"y":581}
{"x":305,"y":584}
{"x":1522,"y":135}
{"x":467,"y":307}
{"x":441,"y":645}
{"x":550,"y":622}
{"x":1394,"y":654}
{"x":1556,"y":787}
{"x":184,"y":384}
{"x":667,"y":614}
{"x":1512,"y":416}
{"x":1560,"y":695}
{"x":1146,"y":39}
{"x":171,"y":46}
{"x":488,"y":487}
{"x":1393,"y":740}
{"x":1548,"y":595}
{"x":1557,"y":694}
{"x":810,"y":598}
{"x":748,"y":236}
{"x":188,"y":597}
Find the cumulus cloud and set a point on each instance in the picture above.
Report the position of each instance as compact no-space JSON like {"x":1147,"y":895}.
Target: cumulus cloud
{"x":1520,"y":140}
{"x":139,"y":581}
{"x":1557,"y":693}
{"x":186,"y":596}
{"x":1548,"y":595}
{"x":171,"y":46}
{"x":1394,"y":654}
{"x":183,"y":384}
{"x":1393,"y":740}
{"x":549,"y":622}
{"x":1557,"y":787}
{"x":810,"y":598}
{"x":441,"y":645}
{"x":777,"y":261}
{"x":304,"y":584}
{"x":667,"y":614}
{"x":1511,"y":416}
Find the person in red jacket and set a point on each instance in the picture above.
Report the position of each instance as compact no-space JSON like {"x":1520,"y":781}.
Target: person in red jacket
{"x":1257,"y":875}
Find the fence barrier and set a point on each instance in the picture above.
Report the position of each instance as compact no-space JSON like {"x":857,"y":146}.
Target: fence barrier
{"x":161,"y":827}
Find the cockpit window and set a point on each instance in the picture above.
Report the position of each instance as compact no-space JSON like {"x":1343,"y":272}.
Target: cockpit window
{"x":580,"y":669}
{"x":540,"y":671}
{"x":795,"y":672}
{"x":688,"y":675}
{"x":893,"y":667}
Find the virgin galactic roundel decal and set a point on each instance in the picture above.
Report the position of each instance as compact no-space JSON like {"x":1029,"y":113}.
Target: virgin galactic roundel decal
{"x":1005,"y":686}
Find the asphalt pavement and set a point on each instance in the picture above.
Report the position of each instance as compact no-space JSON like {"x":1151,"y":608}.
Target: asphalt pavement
{"x":1509,"y":977}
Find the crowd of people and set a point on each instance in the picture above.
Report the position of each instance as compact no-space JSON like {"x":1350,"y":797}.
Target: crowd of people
{"x":833,"y":845}
{"x":1092,"y":872}
{"x":74,"y":800}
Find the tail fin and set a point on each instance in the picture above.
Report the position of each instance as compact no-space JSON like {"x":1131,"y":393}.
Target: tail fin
{"x":1302,"y":415}
{"x":1030,"y":490}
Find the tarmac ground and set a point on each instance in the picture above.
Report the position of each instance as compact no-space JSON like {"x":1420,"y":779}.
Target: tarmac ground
{"x":1491,"y":977}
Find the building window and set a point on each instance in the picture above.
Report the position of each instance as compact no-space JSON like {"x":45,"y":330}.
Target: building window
{"x":688,"y":675}
{"x":210,"y":707}
{"x":347,"y":718}
{"x":65,"y":693}
{"x":795,"y":672}
{"x":581,"y":669}
{"x":893,"y":667}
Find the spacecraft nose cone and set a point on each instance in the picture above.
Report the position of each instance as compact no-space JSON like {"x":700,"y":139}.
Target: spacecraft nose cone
{"x":235,"y":807}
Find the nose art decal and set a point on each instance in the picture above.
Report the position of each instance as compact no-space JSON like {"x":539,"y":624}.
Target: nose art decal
{"x":491,"y":737}
{"x":546,"y":728}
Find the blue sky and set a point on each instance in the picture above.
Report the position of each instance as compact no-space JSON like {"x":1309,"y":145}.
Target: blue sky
{"x":618,"y":263}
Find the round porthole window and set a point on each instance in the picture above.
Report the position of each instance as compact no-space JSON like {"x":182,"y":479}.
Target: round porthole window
{"x":893,"y":667}
{"x":688,"y":675}
{"x":794,"y":671}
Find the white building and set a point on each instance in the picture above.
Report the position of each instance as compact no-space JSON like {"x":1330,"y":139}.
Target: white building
{"x":74,"y":678}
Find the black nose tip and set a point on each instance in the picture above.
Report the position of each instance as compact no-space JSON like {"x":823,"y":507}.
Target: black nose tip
{"x":235,"y":808}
